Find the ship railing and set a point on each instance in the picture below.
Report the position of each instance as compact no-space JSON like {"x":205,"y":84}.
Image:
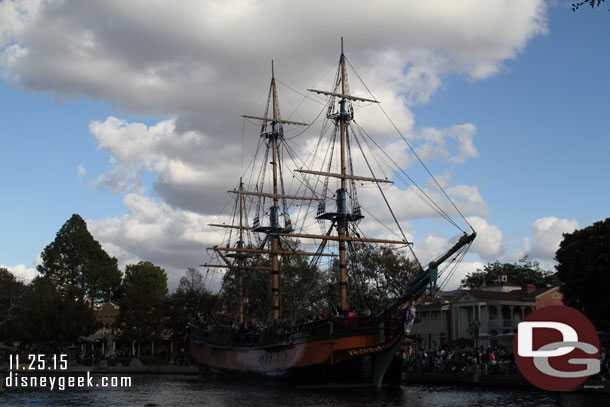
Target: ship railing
{"x":286,"y":332}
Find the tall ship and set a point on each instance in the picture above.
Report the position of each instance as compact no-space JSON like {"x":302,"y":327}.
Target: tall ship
{"x":307,"y":296}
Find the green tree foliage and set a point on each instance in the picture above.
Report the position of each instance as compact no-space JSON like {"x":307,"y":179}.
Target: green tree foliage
{"x":143,"y":304}
{"x":13,"y":297}
{"x":76,"y":259}
{"x":40,"y":313}
{"x":302,"y":288}
{"x":256,"y":288}
{"x":522,"y":273}
{"x":376,"y":275}
{"x":51,"y":316}
{"x":592,"y":3}
{"x":191,"y":297}
{"x":583,"y":265}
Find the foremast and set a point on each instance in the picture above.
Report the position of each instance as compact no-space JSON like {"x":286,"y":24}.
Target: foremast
{"x":341,"y":193}
{"x":273,"y":230}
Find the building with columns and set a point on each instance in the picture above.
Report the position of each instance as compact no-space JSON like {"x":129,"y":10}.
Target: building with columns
{"x":495,"y":311}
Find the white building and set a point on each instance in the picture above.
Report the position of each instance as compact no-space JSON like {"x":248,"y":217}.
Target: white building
{"x":495,"y":310}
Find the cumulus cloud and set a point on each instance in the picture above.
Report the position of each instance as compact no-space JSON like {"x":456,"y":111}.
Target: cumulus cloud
{"x":154,"y":231}
{"x":198,"y":66}
{"x":22,"y":272}
{"x":147,"y":63}
{"x":488,"y":243}
{"x":435,"y":143}
{"x":547,"y":234}
{"x":409,"y":204}
{"x":452,"y":281}
{"x":187,"y":164}
{"x":81,"y":171}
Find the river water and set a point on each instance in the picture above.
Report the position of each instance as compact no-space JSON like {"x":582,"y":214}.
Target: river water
{"x":173,"y":390}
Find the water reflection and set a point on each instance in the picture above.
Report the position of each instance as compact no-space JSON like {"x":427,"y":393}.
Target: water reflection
{"x":161,"y":390}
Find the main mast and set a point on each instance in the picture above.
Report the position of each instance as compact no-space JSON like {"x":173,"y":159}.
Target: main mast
{"x":240,"y":244}
{"x":342,"y":216}
{"x":274,"y":212}
{"x":341,"y":193}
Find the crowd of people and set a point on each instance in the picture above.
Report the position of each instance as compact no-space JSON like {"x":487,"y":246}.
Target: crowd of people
{"x":491,"y":360}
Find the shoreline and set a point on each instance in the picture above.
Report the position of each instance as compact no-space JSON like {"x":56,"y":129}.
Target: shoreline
{"x":460,"y":379}
{"x":76,"y":369}
{"x":474,"y":379}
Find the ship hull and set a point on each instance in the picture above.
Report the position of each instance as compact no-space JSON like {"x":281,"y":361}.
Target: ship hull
{"x":321,"y":355}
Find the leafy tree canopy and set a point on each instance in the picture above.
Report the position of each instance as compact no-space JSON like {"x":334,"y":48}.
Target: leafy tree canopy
{"x":54,"y":317}
{"x":522,"y":273}
{"x":76,"y":259}
{"x":146,"y":275}
{"x":376,"y":275}
{"x":592,"y":3}
{"x":191,"y":297}
{"x":13,"y":297}
{"x":583,"y":264}
{"x":143,"y":304}
{"x":302,"y":288}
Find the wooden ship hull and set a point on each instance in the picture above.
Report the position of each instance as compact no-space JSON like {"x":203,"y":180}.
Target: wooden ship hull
{"x":319,"y":353}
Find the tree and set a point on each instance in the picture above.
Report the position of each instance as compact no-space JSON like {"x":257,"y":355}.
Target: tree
{"x":13,"y":296}
{"x":376,"y":275}
{"x":592,"y":3}
{"x":302,"y":288}
{"x":142,"y":307}
{"x":192,"y":282}
{"x":525,"y":272}
{"x":51,"y":316}
{"x":583,"y":262}
{"x":76,"y":259}
{"x":256,"y":289}
{"x":191,"y":297}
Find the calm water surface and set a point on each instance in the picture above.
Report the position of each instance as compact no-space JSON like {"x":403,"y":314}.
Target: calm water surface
{"x":166,"y":390}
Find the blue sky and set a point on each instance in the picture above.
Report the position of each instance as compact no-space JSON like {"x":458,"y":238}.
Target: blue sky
{"x":542,"y":125}
{"x":528,"y":78}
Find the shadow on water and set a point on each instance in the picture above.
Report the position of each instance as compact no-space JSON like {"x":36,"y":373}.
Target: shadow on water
{"x":168,"y":390}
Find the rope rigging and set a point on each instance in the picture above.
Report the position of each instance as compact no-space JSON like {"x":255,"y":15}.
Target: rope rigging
{"x":339,"y":141}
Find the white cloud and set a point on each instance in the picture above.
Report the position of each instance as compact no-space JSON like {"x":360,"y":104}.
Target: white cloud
{"x":198,"y":68}
{"x":452,"y":282}
{"x":22,"y":272}
{"x":435,"y":143}
{"x":547,"y":234}
{"x":81,"y":171}
{"x":187,"y":164}
{"x":198,"y":65}
{"x":153,"y":231}
{"x":488,"y":243}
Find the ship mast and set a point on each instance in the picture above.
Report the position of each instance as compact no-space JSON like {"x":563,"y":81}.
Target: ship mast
{"x":341,"y":193}
{"x":240,"y":244}
{"x":273,"y":230}
{"x":342,"y":216}
{"x":274,"y":212}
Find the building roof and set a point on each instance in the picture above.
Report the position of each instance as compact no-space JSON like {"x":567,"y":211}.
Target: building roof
{"x":434,"y":306}
{"x":515,"y":295}
{"x":496,"y":295}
